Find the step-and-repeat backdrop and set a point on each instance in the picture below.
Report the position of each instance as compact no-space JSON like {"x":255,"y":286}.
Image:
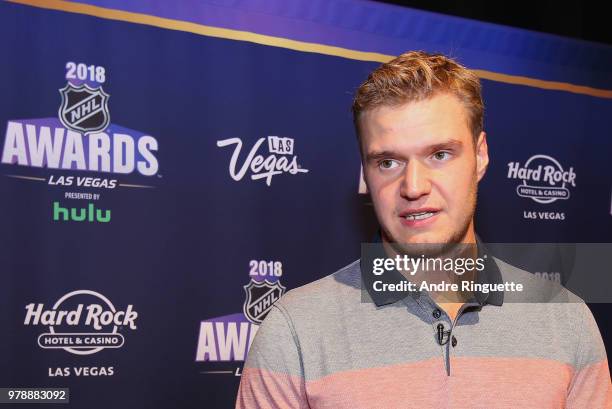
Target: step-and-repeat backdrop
{"x":168,"y":170}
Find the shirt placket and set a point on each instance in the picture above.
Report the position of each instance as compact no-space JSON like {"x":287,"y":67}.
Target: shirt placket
{"x":443,"y":328}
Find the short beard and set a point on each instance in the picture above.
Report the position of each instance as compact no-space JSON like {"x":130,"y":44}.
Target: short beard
{"x":450,"y":246}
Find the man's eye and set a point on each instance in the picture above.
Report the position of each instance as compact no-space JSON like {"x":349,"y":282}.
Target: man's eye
{"x":442,"y":155}
{"x":388,"y":164}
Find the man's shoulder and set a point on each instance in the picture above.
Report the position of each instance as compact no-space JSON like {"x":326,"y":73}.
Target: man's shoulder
{"x":547,"y":305}
{"x":342,"y":287}
{"x":534,"y":289}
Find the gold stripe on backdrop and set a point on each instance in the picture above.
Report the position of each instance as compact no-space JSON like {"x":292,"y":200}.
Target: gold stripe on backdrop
{"x":170,"y":24}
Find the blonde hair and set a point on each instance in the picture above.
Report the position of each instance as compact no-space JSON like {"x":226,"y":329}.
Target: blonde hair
{"x":415,"y":76}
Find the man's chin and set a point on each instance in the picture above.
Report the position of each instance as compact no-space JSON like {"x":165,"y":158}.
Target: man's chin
{"x":422,"y":238}
{"x":427,"y":243}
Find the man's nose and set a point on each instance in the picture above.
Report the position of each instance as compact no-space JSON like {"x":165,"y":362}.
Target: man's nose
{"x":415,"y":181}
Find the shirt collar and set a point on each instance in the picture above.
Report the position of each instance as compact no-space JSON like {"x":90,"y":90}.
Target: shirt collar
{"x":489,"y":275}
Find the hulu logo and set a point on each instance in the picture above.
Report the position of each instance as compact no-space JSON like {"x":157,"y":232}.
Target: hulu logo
{"x":90,"y":214}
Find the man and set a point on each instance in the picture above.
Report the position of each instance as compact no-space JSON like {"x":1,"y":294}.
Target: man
{"x":419,"y":119}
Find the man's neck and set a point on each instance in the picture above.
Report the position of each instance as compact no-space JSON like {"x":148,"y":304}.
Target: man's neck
{"x":451,"y":309}
{"x":451,"y":302}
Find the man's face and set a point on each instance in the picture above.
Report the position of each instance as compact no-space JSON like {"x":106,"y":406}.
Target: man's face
{"x":422,"y":170}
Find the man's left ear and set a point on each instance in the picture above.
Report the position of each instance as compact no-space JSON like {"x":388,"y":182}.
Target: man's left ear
{"x":482,"y":155}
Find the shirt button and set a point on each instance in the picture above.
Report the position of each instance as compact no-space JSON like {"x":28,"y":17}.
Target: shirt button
{"x":454,"y":342}
{"x":436,"y":313}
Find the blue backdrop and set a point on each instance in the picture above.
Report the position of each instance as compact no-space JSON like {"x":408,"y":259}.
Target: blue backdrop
{"x":137,"y":260}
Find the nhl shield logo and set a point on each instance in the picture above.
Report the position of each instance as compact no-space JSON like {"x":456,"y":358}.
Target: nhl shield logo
{"x":84,"y":109}
{"x":259,"y":299}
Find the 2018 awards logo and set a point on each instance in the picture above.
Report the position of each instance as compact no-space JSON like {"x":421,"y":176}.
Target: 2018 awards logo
{"x":227,"y":339}
{"x":60,"y":151}
{"x":544,"y":181}
{"x":81,"y":322}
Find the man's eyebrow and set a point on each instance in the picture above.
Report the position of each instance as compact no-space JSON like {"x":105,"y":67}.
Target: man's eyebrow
{"x":376,"y":155}
{"x":449,"y":144}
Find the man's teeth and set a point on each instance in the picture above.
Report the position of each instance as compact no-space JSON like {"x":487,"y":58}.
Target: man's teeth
{"x":419,"y":216}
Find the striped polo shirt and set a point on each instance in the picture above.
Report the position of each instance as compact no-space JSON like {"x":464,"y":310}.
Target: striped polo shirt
{"x":322,"y":346}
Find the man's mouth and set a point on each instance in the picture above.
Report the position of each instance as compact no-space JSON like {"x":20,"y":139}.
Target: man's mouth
{"x":419,"y":216}
{"x":416,"y":217}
